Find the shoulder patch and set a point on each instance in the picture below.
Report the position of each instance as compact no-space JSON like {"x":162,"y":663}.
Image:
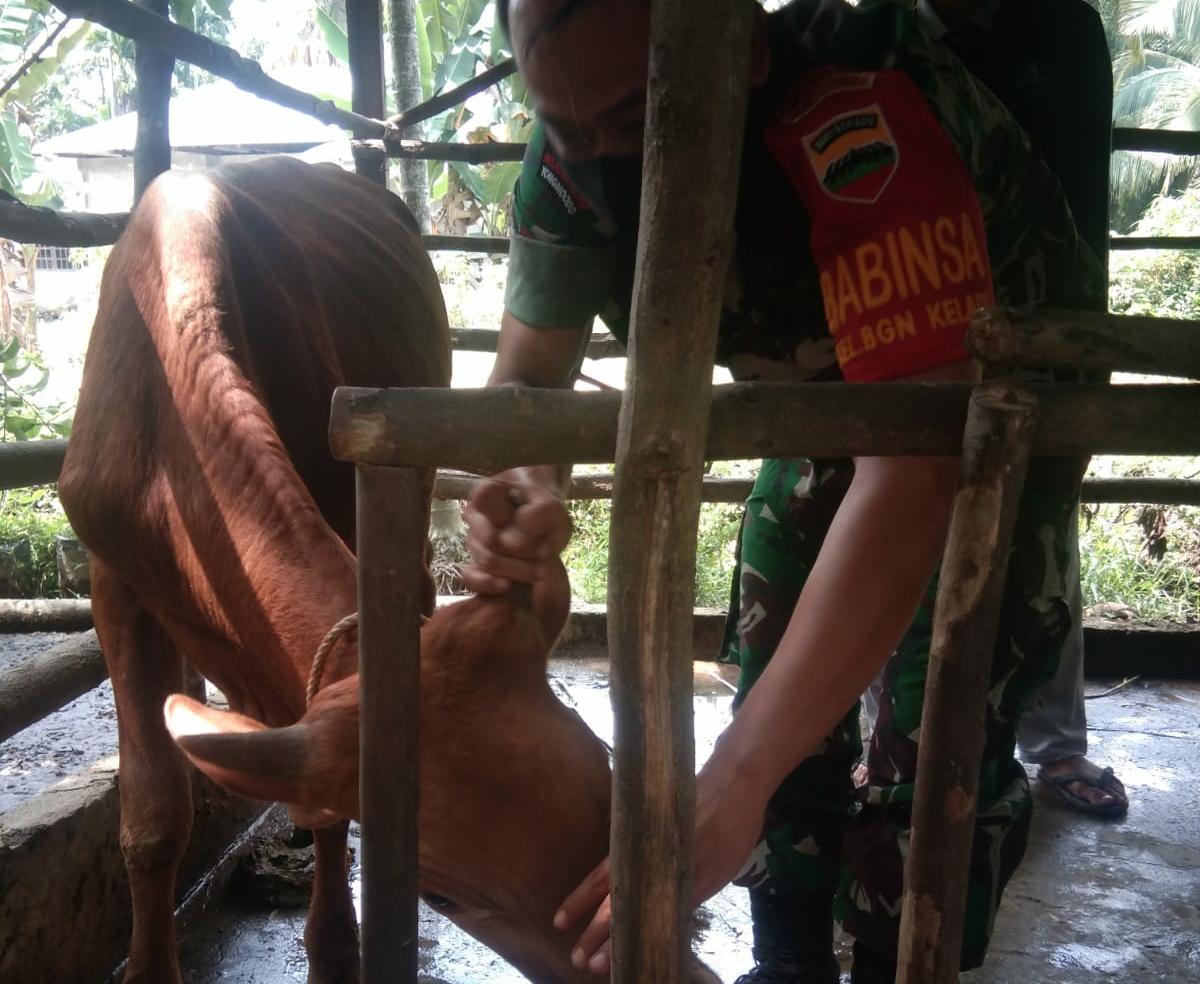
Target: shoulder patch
{"x":854,"y":154}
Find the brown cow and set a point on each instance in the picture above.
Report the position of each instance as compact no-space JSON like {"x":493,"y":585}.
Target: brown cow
{"x":220,"y":530}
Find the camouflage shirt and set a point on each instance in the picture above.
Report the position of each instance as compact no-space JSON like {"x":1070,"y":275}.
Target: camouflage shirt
{"x":872,"y":166}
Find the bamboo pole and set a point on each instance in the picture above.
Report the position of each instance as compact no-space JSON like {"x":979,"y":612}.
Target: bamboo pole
{"x":470,"y":153}
{"x":468,"y":244}
{"x":1154,"y":242}
{"x":144,"y":27}
{"x":695,"y":110}
{"x":393,"y":513}
{"x":431,"y":107}
{"x":153,"y":67}
{"x":46,"y":227}
{"x":458,"y":485}
{"x":996,"y":447}
{"x":34,"y":58}
{"x":364,"y":39}
{"x":600,"y":345}
{"x":502,"y":427}
{"x":1086,"y":340}
{"x":1157,"y":491}
{"x":39,"y":462}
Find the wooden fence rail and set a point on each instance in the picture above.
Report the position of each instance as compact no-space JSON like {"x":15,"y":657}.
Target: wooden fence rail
{"x":39,"y":686}
{"x":1086,"y":340}
{"x":39,"y":462}
{"x":498,"y":428}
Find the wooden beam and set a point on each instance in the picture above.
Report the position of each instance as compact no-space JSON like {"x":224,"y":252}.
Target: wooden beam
{"x":502,"y":427}
{"x":1086,"y":340}
{"x":47,"y":227}
{"x":1159,"y":141}
{"x":696,"y":101}
{"x":144,"y":27}
{"x":153,"y":68}
{"x":393,"y":514}
{"x":1158,"y":491}
{"x":996,"y":446}
{"x":1154,"y":242}
{"x":39,"y":686}
{"x":364,"y":39}
{"x":45,"y":615}
{"x":25,"y":463}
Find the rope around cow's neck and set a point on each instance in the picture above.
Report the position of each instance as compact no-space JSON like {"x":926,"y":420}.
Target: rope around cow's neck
{"x":342,"y":627}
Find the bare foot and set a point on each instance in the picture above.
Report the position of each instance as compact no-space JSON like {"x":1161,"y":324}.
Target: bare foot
{"x":1097,"y":788}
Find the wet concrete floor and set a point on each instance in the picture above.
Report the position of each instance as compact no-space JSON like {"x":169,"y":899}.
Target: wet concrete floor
{"x":1094,"y":901}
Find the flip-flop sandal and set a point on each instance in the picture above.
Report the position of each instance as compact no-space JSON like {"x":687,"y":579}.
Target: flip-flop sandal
{"x":1100,"y":782}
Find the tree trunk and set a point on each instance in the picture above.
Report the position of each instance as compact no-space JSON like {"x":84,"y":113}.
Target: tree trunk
{"x":406,"y":88}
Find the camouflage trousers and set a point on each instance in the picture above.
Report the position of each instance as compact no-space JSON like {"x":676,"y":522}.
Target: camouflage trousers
{"x":823,"y":839}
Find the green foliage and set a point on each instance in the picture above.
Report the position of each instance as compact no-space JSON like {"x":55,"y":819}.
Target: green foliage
{"x":455,"y":41}
{"x":1145,"y":557}
{"x":30,"y":521}
{"x":586,"y":556}
{"x":1160,"y":282}
{"x":1155,"y":46}
{"x":22,"y":376}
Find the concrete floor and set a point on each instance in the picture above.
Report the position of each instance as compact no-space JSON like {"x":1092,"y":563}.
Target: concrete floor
{"x":1095,"y":900}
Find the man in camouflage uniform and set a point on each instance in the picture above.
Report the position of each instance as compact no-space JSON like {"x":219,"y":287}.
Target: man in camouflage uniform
{"x":884,"y":195}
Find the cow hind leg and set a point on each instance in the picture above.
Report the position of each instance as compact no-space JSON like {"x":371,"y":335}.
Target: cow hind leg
{"x":154,"y":780}
{"x":331,"y":933}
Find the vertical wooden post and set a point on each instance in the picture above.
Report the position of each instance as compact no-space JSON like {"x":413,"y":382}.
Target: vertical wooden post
{"x":695,"y":112}
{"x":153,"y":69}
{"x":364,"y":37}
{"x":392,"y":515}
{"x":996,"y":444}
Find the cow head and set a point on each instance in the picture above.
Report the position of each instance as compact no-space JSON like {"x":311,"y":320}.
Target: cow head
{"x":514,"y":786}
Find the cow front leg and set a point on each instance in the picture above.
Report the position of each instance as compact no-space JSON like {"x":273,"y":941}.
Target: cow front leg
{"x":331,"y":933}
{"x":154,"y":780}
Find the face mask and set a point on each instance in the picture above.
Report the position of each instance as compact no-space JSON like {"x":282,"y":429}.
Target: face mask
{"x":622,"y":183}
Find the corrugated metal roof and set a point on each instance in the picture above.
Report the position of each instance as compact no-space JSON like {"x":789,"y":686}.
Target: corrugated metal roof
{"x":215,"y":118}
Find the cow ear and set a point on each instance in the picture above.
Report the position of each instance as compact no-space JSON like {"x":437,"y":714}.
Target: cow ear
{"x":241,"y":754}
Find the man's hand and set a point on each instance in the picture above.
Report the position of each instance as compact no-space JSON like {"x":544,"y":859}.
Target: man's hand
{"x":516,"y":525}
{"x":729,"y":817}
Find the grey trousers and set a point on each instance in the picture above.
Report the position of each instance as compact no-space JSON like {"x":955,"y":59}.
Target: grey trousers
{"x":1055,"y":726}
